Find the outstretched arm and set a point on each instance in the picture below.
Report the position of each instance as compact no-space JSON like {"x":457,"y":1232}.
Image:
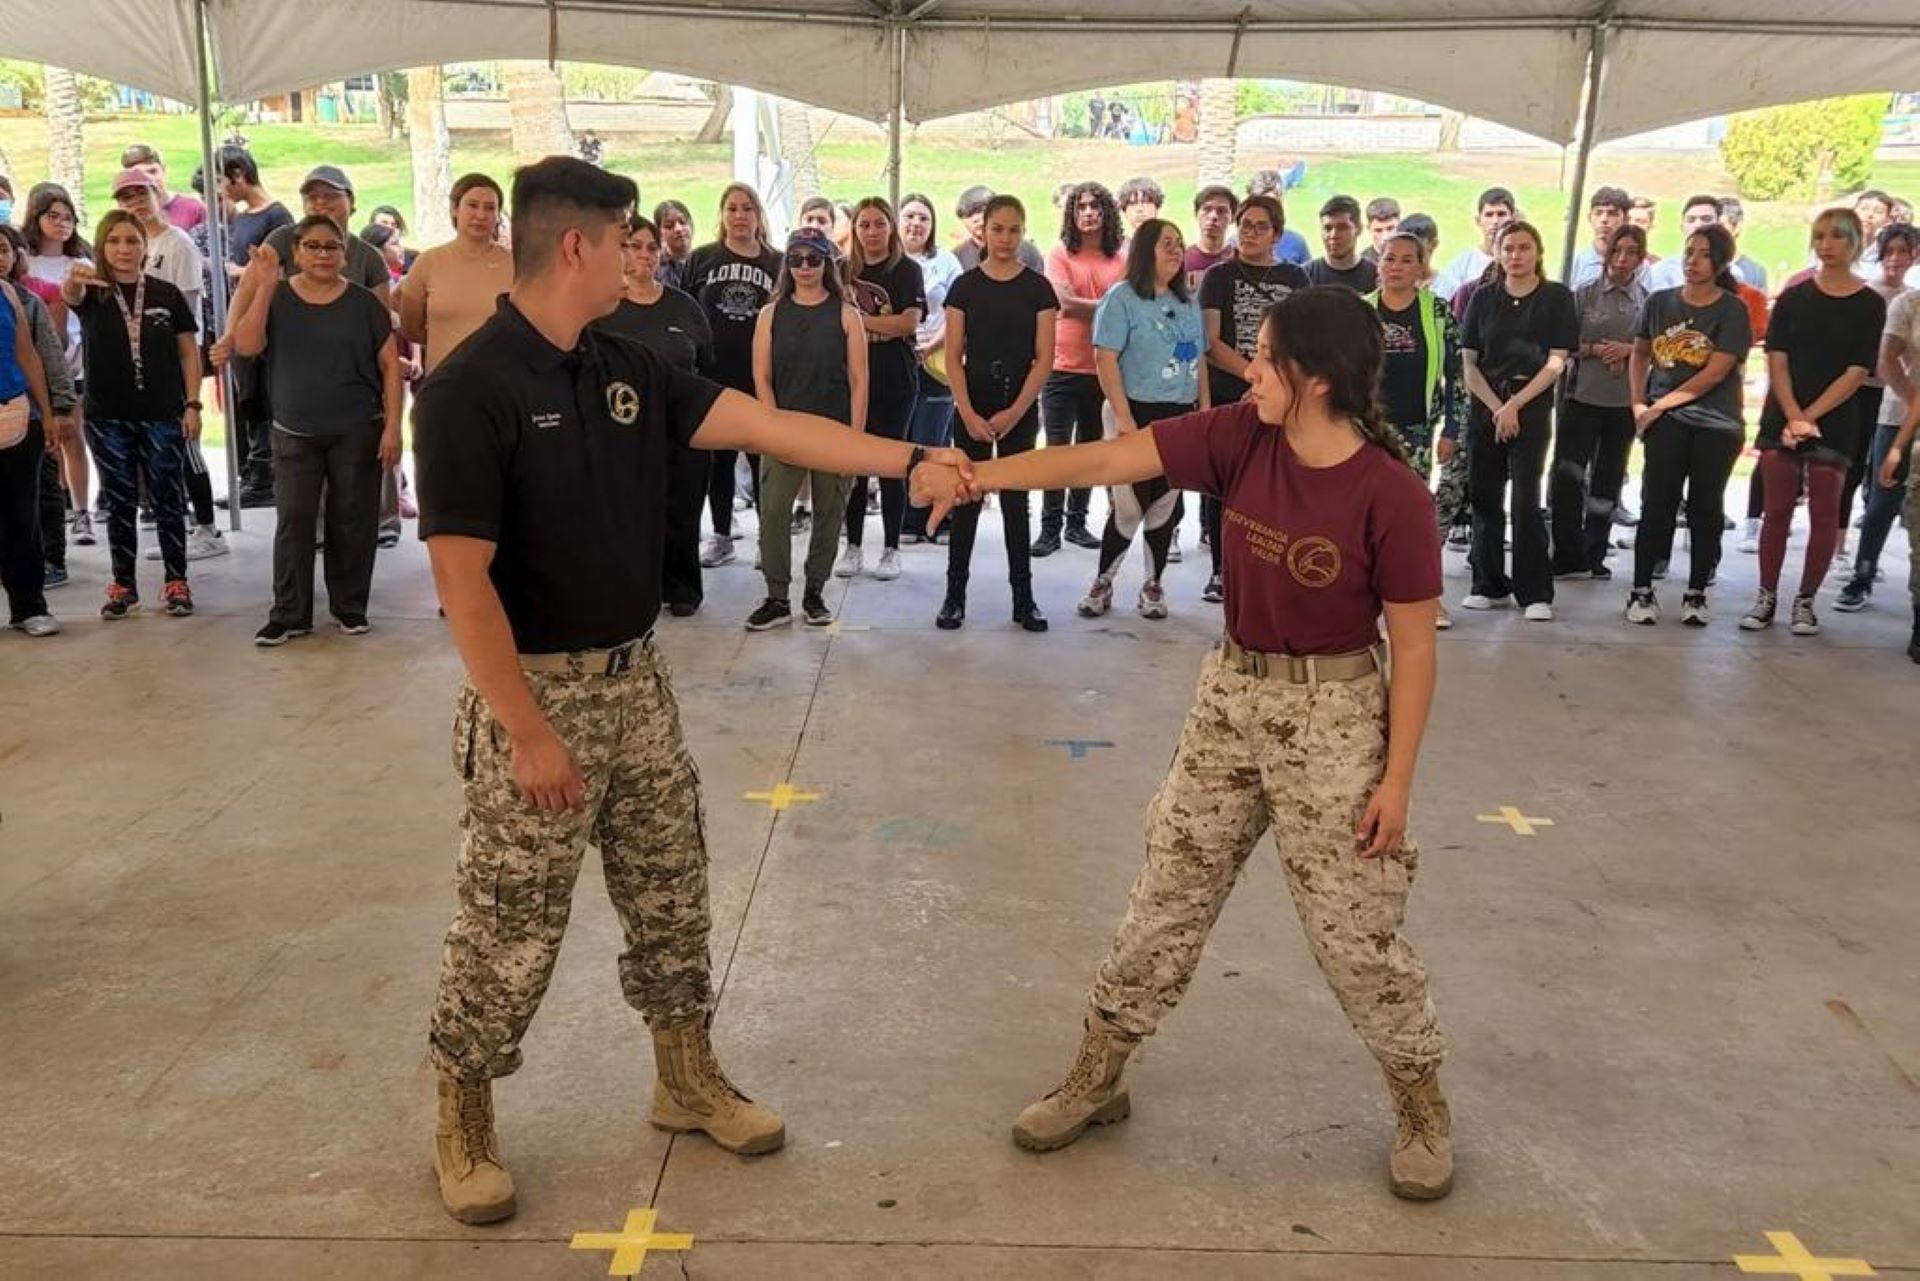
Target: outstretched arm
{"x":1124,"y":460}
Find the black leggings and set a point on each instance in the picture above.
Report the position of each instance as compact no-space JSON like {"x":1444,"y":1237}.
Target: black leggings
{"x":1699,"y":459}
{"x":1589,"y":466}
{"x":1494,"y":463}
{"x":1070,"y":404}
{"x":1013,"y":507}
{"x":888,"y":415}
{"x":22,"y":560}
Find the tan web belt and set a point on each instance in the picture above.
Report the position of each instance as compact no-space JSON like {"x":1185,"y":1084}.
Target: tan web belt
{"x":589,"y":662}
{"x":1303,"y":669}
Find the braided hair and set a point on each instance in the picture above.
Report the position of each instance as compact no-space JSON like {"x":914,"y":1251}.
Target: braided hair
{"x":1330,"y":332}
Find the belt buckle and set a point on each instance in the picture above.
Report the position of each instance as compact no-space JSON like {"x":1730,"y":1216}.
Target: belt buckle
{"x":1253,"y":663}
{"x":1300,"y":669}
{"x":620,"y":660}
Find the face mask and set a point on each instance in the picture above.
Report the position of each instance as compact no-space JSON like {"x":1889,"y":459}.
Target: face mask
{"x":6,"y":210}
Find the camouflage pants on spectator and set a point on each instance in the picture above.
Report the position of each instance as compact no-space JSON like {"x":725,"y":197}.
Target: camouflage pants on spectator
{"x":1303,"y":760}
{"x":518,"y":864}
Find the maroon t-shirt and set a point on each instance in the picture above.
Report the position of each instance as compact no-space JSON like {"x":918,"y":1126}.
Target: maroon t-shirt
{"x":1308,"y":553}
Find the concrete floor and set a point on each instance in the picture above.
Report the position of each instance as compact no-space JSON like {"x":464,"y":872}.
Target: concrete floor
{"x":1683,"y":1016}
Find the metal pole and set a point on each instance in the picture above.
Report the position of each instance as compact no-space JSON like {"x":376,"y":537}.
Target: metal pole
{"x":896,"y":116}
{"x":1595,"y":61}
{"x":217,"y":255}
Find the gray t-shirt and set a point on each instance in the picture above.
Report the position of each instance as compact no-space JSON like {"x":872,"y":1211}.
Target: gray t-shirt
{"x":1684,"y":338}
{"x":1608,"y":313}
{"x":364,"y":267}
{"x":323,"y":362}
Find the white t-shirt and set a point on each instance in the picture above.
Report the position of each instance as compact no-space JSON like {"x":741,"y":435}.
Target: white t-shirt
{"x":53,"y":269}
{"x":1467,"y":267}
{"x":1903,"y":322}
{"x":937,"y":274}
{"x":172,"y":257}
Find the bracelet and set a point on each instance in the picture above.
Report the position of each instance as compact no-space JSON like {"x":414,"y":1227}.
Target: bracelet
{"x":195,"y":405}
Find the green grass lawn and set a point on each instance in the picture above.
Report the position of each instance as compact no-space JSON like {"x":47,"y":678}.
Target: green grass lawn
{"x":1442,"y":186}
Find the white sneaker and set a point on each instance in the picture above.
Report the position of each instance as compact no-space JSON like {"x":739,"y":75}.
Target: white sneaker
{"x":1643,"y":608}
{"x":1153,"y":601}
{"x":889,"y":567}
{"x":1750,"y":536}
{"x":80,"y":525}
{"x":1442,"y":620}
{"x":1477,"y":601}
{"x":1098,"y":600}
{"x":1539,"y":612}
{"x":718,"y":551}
{"x":39,"y":625}
{"x":205,"y":542}
{"x":1805,"y":621}
{"x":851,"y":563}
{"x":1173,"y":549}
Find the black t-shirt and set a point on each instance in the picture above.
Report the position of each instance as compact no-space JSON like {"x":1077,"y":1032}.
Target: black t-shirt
{"x":1242,"y":294}
{"x":881,"y":290}
{"x":323,"y":361}
{"x":252,"y":228}
{"x":1512,"y":337}
{"x":1000,"y":322}
{"x":561,"y":459}
{"x":732,"y":289}
{"x":1684,"y":338}
{"x":366,"y":266}
{"x":1403,"y":374}
{"x":1363,"y":277}
{"x":1822,"y":337}
{"x":113,"y":393}
{"x":672,"y":325}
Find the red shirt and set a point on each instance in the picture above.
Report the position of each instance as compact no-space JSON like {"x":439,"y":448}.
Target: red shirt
{"x":1308,"y":553}
{"x":1086,"y":274}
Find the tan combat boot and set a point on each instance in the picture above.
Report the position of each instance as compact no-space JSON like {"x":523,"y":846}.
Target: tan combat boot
{"x":690,"y":1093}
{"x":1091,"y":1094}
{"x":1421,"y":1168}
{"x":474,"y":1183}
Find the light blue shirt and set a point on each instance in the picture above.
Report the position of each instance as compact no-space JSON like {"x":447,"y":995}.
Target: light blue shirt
{"x":1160,"y":343}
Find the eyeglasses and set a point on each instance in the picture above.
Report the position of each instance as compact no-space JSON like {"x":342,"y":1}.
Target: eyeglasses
{"x":56,"y":215}
{"x":805,"y":262}
{"x":1256,"y":228}
{"x":323,"y":247}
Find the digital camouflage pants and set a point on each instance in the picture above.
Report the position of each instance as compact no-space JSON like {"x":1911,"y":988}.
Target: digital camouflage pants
{"x":1303,"y":760}
{"x":518,"y":864}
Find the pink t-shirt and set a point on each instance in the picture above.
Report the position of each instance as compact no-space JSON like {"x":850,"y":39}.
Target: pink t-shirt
{"x":1087,"y":274}
{"x":1308,"y":553}
{"x":184,"y":211}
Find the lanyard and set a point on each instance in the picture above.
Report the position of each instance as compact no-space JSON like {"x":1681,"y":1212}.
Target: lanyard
{"x":134,"y":319}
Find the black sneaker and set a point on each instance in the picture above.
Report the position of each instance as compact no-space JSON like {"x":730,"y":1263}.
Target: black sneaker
{"x":802,"y":520}
{"x":953,"y":612}
{"x":256,"y":498}
{"x":54,"y":576}
{"x":387,"y":539}
{"x":1460,"y":538}
{"x":1602,"y":574}
{"x":814,"y":606}
{"x":354,"y":624}
{"x":1853,"y":597}
{"x":1046,"y":545}
{"x":1214,"y":592}
{"x":1660,"y":571}
{"x":1080,"y":536}
{"x":771,"y":614}
{"x":274,"y":635}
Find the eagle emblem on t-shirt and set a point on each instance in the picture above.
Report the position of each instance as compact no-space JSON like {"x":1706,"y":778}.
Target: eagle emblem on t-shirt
{"x":1314,"y":561}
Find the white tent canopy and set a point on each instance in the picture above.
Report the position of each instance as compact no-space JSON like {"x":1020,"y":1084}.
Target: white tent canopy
{"x":1519,"y":62}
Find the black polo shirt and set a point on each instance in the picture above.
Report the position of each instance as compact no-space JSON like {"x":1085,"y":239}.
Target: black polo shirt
{"x":561,"y":459}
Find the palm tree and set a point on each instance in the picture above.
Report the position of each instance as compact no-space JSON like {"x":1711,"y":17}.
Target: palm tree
{"x":432,"y":152}
{"x":796,"y":149}
{"x":1219,"y":130}
{"x":66,"y":148}
{"x":537,"y":103}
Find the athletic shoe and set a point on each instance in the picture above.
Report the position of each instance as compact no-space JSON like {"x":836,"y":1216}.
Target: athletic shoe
{"x":1046,"y":545}
{"x":1152,"y":602}
{"x":121,"y":601}
{"x":1460,"y":538}
{"x":274,"y":635}
{"x":147,"y":519}
{"x":771,"y":614}
{"x":1625,"y":515}
{"x":1565,"y":574}
{"x":1442,"y":620}
{"x":354,"y":624}
{"x":940,"y":537}
{"x":682,"y":608}
{"x":1805,"y":621}
{"x":1538,"y":612}
{"x":1623,"y":542}
{"x":1477,"y":601}
{"x":1098,"y":600}
{"x":814,"y":606}
{"x":387,"y":539}
{"x":1173,"y":549}
{"x":851,"y":562}
{"x":1760,"y":616}
{"x":1693,"y":609}
{"x":1750,"y":536}
{"x":1853,"y":597}
{"x":953,"y":612}
{"x":54,"y":576}
{"x":177,"y":598}
{"x":910,"y":539}
{"x":802,"y":520}
{"x":1215,"y":591}
{"x":718,"y":551}
{"x":742,"y":503}
{"x":1600,"y":574}
{"x":1642,"y":607}
{"x":1660,"y":570}
{"x":889,"y":567}
{"x":80,"y":529}
{"x":39,"y":625}
{"x":1080,"y":536}
{"x":203,"y":543}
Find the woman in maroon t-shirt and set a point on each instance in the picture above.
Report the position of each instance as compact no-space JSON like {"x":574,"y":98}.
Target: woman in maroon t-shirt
{"x":1296,"y":726}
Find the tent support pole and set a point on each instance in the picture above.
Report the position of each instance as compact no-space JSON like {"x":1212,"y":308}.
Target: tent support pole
{"x":217,"y":255}
{"x":1584,"y":149}
{"x":896,"y":115}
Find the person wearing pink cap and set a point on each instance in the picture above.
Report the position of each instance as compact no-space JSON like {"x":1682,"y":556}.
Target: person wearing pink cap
{"x":179,"y":209}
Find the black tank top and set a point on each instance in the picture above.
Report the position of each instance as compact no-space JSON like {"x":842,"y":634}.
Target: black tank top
{"x":810,"y":359}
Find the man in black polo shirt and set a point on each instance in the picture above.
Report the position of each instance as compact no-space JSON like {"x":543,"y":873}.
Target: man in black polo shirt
{"x":544,"y":453}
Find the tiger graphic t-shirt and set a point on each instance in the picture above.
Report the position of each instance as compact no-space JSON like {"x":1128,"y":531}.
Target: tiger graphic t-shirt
{"x":1308,"y":553}
{"x":1683,"y":338}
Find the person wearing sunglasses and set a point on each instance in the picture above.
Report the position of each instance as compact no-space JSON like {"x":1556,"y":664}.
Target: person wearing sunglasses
{"x":333,"y":378}
{"x":809,"y":356}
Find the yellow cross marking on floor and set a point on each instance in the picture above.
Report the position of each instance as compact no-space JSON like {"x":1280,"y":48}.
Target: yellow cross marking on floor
{"x":782,"y":797}
{"x":1794,"y":1261}
{"x":836,"y":627}
{"x":631,"y":1243}
{"x":1513,"y":818}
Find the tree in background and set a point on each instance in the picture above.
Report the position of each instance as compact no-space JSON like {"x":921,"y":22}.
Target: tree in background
{"x":66,"y":147}
{"x":1219,"y":130}
{"x":537,"y":104}
{"x":1805,"y":149}
{"x":796,"y":149}
{"x":431,"y":149}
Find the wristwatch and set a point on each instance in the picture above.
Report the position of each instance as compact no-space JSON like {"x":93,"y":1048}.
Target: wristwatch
{"x":194,"y":404}
{"x":914,"y":459}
